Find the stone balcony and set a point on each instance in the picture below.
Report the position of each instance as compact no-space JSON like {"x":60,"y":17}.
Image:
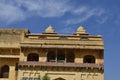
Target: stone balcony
{"x":61,"y":64}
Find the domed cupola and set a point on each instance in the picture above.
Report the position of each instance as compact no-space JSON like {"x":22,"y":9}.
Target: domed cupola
{"x":49,"y":30}
{"x":81,"y":31}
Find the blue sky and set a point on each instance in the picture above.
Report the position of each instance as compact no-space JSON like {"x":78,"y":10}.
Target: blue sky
{"x":97,"y":17}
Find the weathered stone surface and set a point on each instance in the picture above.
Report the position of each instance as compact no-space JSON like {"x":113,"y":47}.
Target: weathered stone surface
{"x":16,"y":45}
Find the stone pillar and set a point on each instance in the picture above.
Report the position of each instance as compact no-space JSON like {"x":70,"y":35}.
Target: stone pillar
{"x":20,"y":74}
{"x":78,"y":58}
{"x":22,"y":58}
{"x":43,"y":55}
{"x":12,"y":72}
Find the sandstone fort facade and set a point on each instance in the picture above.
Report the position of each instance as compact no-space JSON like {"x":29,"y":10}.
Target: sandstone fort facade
{"x":27,"y":56}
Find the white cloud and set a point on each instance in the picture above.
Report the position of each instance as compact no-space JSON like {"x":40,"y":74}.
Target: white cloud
{"x":80,"y":10}
{"x":9,"y":13}
{"x":16,"y":10}
{"x":84,"y":13}
{"x":67,"y":30}
{"x":102,"y":20}
{"x":45,"y":8}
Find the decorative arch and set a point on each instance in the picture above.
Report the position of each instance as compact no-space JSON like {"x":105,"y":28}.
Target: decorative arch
{"x":89,"y":59}
{"x":33,"y":57}
{"x":60,"y":79}
{"x":4,"y":71}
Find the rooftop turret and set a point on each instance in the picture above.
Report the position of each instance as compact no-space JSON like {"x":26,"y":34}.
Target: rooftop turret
{"x":81,"y":31}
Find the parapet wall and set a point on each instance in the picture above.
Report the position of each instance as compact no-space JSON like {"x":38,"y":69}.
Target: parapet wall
{"x":11,"y":37}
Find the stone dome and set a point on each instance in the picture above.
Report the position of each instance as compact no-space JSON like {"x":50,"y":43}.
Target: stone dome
{"x":81,"y":31}
{"x":50,"y":30}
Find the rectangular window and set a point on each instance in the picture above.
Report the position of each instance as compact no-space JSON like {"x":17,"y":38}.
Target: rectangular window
{"x":61,"y":56}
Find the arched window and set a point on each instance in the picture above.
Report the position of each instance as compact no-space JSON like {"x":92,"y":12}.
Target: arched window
{"x":89,"y":59}
{"x":33,"y":57}
{"x":5,"y":71}
{"x":59,"y":79}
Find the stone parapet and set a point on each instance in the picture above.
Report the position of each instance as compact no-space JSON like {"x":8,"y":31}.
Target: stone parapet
{"x":61,"y":64}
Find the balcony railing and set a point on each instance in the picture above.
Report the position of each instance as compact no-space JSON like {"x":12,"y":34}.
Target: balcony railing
{"x":60,"y":64}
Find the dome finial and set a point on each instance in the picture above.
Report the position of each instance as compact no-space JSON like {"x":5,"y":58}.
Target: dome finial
{"x":49,"y":30}
{"x":81,"y":31}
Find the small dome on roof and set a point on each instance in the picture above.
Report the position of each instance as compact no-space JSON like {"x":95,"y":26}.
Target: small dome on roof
{"x":81,"y":31}
{"x":50,"y":30}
